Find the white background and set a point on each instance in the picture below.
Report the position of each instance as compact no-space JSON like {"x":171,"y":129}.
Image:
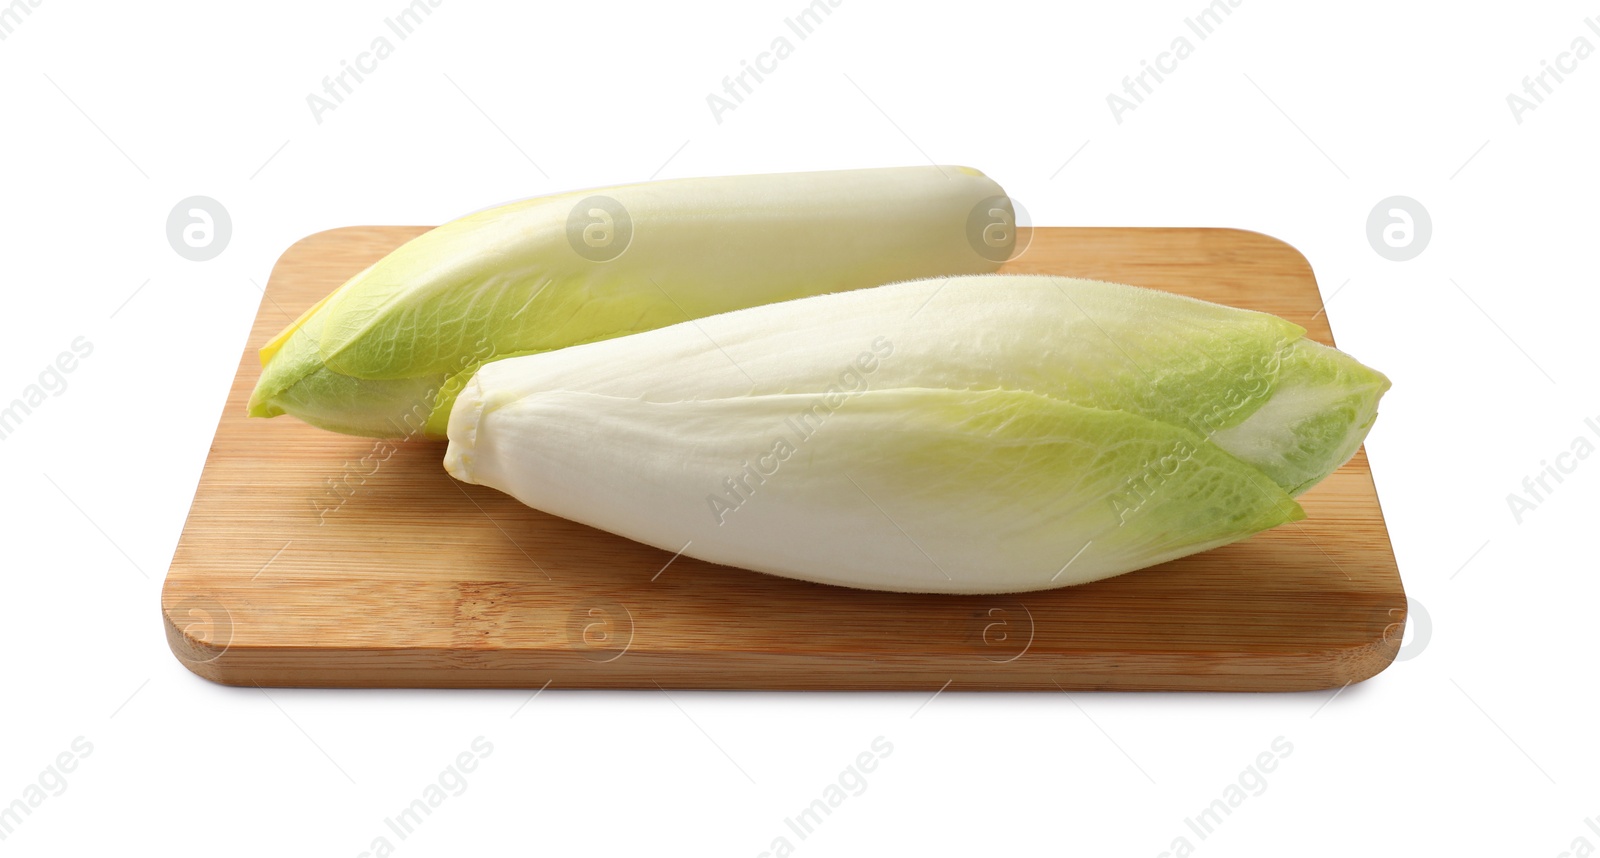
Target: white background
{"x":1290,"y":119}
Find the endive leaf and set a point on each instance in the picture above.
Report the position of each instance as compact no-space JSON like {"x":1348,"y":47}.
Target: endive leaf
{"x":912,"y":489}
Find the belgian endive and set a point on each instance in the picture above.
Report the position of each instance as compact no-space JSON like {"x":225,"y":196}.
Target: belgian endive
{"x":386,"y":353}
{"x":978,"y":434}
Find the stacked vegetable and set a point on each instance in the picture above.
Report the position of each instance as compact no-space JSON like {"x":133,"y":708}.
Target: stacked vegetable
{"x":945,"y":430}
{"x":385,"y":353}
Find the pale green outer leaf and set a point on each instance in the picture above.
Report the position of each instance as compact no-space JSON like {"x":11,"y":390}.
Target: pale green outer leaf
{"x":340,"y":403}
{"x":1321,"y":408}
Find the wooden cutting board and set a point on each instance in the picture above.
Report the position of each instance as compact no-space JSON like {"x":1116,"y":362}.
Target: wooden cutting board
{"x":316,"y":559}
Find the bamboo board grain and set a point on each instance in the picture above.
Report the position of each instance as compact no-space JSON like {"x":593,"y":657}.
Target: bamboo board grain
{"x":316,"y":559}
